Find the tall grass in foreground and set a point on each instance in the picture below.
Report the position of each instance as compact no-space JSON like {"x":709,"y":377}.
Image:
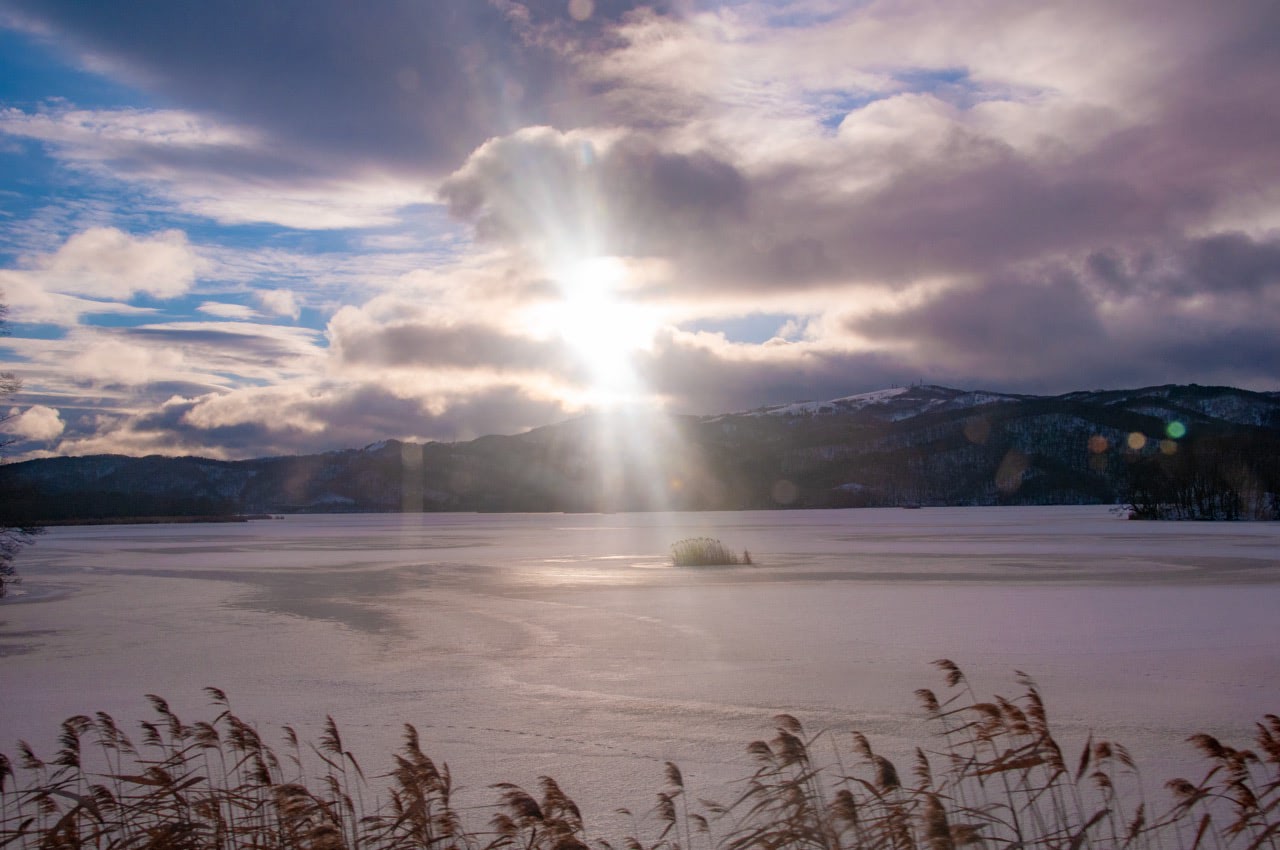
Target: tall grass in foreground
{"x":992,"y":777}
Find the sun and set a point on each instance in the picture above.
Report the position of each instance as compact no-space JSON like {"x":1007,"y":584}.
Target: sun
{"x":601,"y":327}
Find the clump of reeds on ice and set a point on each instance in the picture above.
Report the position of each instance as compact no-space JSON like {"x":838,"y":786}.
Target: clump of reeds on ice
{"x":705,"y":552}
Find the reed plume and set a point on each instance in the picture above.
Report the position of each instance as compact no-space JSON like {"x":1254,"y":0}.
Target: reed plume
{"x":993,"y":777}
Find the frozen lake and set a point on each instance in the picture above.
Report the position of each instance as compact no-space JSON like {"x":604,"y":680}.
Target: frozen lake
{"x":567,"y":644}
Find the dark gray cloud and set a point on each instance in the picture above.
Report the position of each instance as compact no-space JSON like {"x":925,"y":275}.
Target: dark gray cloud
{"x":1015,"y":329}
{"x":1219,"y":264}
{"x":965,"y":203}
{"x":466,"y":346}
{"x":543,"y":187}
{"x":361,"y":414}
{"x":1233,"y":355}
{"x":1055,"y":329}
{"x":248,"y":342}
{"x":1229,"y":261}
{"x":706,"y":380}
{"x":780,"y":229}
{"x":949,"y":218}
{"x":406,"y":83}
{"x":662,"y":202}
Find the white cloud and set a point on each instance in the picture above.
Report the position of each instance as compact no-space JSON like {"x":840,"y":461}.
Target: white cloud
{"x":111,"y":361}
{"x":107,"y":263}
{"x":29,"y":301}
{"x":35,"y":423}
{"x":104,"y":134}
{"x":314,"y":203}
{"x":280,"y":302}
{"x":279,"y":408}
{"x":98,"y":269}
{"x":223,"y":310}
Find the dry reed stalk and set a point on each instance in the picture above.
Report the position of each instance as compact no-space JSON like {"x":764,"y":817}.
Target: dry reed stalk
{"x":1001,"y":783}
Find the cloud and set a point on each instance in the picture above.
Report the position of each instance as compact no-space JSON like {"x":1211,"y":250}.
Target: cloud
{"x":367,"y":339}
{"x":280,"y":302}
{"x":418,"y":346}
{"x":255,"y":138}
{"x":296,"y":419}
{"x":417,"y":85}
{"x":104,"y":262}
{"x":229,"y":173}
{"x":223,"y":310}
{"x":1020,"y":197}
{"x":134,"y":368}
{"x":1016,"y":330}
{"x":30,"y":302}
{"x":1047,"y":147}
{"x":1200,"y":310}
{"x":248,"y":350}
{"x":967,"y":203}
{"x":1016,"y":194}
{"x":35,"y":423}
{"x":704,"y":374}
{"x":105,"y":359}
{"x":566,"y":196}
{"x":98,"y":266}
{"x":1225,"y":262}
{"x":122,"y":135}
{"x":909,"y":186}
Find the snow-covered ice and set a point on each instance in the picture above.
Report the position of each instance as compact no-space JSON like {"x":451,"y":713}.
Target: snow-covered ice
{"x":568,"y":645}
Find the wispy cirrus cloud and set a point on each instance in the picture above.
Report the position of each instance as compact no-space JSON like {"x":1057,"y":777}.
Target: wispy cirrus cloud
{"x":230,"y":174}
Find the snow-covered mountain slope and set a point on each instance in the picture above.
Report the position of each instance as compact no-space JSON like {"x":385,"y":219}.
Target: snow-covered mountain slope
{"x":1192,"y":402}
{"x":890,"y":405}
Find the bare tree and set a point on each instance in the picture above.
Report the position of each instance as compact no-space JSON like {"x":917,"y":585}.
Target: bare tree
{"x":13,"y":535}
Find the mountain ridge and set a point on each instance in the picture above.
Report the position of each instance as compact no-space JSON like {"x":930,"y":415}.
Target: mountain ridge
{"x":923,"y":444}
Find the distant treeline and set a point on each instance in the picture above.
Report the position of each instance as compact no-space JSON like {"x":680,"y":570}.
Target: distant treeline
{"x":1212,"y":478}
{"x":103,"y":507}
{"x":156,"y":520}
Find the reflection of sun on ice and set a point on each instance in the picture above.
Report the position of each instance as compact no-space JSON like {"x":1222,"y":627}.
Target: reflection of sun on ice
{"x":600,"y":327}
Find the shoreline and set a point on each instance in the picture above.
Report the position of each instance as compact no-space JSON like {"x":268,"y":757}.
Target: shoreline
{"x":152,"y":520}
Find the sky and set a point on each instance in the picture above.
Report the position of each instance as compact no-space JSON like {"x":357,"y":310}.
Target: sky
{"x":239,"y":230}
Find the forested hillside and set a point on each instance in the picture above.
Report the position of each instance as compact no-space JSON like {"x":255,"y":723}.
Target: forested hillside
{"x":1177,"y":451}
